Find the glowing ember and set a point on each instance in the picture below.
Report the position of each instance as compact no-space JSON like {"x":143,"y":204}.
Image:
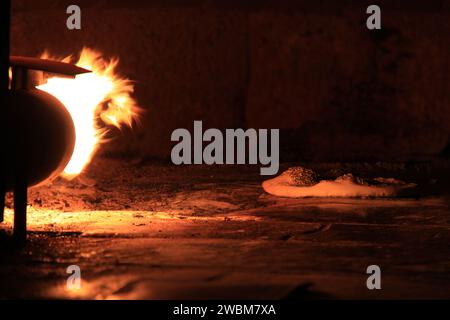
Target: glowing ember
{"x":101,"y":94}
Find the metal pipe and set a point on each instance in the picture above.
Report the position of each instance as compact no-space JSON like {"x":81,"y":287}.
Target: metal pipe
{"x":19,"y":80}
{"x":5,"y":11}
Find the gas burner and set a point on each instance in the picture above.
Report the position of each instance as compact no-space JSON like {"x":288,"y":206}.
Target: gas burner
{"x":38,"y":132}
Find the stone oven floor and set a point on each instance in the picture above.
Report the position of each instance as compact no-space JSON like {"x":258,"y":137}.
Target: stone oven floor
{"x":146,"y":230}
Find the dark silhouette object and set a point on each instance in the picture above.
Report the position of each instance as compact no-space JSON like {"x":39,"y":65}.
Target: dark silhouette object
{"x":44,"y":137}
{"x":5,"y":7}
{"x":445,"y":153}
{"x":305,"y":292}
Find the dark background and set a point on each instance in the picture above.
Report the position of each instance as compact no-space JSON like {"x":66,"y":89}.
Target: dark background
{"x":335,"y":89}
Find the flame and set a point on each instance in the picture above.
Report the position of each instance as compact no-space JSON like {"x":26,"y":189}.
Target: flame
{"x":101,"y":94}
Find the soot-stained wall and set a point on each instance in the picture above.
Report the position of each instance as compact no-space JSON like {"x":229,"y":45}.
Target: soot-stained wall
{"x":336,"y":90}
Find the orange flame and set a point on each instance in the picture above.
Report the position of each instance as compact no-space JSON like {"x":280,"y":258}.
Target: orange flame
{"x":101,"y":94}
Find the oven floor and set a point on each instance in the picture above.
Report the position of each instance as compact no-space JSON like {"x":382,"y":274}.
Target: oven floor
{"x":152,"y":231}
